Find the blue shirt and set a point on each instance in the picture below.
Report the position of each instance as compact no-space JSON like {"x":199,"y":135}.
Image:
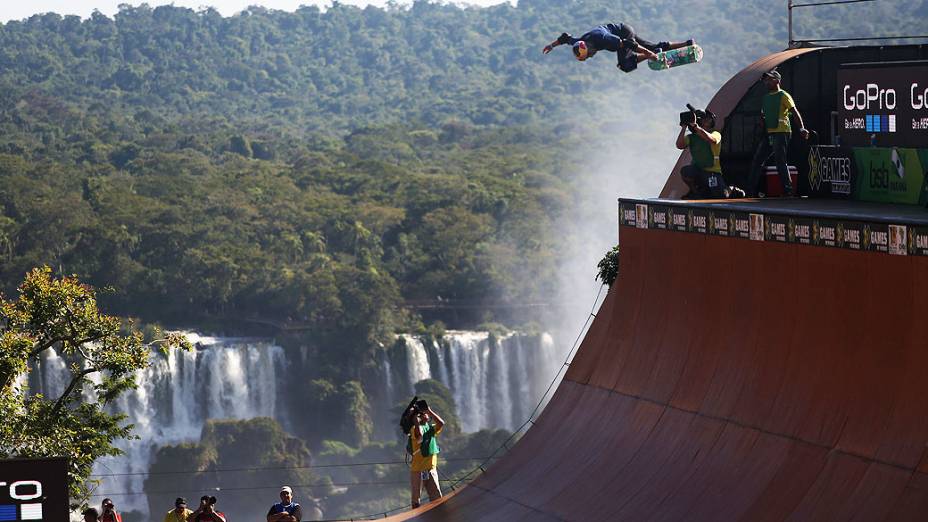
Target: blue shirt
{"x":609,"y":37}
{"x":292,"y":509}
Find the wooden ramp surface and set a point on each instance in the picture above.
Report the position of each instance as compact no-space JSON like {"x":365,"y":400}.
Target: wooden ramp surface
{"x":727,"y":379}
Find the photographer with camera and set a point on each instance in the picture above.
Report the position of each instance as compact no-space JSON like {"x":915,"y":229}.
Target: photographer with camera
{"x":424,"y":426}
{"x":206,"y":512}
{"x":704,"y":175}
{"x":108,"y":512}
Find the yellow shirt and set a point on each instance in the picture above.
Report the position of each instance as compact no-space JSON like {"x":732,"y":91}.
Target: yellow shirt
{"x":174,"y":517}
{"x":777,"y":106}
{"x":420,"y":463}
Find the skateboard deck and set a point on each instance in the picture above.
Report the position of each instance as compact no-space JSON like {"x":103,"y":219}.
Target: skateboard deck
{"x":681,"y":56}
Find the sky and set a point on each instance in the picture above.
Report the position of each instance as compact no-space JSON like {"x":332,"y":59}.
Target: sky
{"x":18,"y":10}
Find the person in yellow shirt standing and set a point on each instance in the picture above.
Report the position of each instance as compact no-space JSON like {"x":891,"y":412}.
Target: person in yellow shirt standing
{"x":423,"y":445}
{"x":777,"y":107}
{"x":180,"y":511}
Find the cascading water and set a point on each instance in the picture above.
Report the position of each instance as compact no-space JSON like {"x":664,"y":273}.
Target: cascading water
{"x":224,"y":378}
{"x":494,"y":383}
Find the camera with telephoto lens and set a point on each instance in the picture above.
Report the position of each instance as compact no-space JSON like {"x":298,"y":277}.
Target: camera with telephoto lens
{"x":211,"y":501}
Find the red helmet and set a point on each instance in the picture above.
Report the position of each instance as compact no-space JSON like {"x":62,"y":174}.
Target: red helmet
{"x":581,"y":51}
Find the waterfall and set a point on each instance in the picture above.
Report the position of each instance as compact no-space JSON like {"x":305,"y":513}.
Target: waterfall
{"x":495,"y":382}
{"x":417,"y":361}
{"x":176,"y":394}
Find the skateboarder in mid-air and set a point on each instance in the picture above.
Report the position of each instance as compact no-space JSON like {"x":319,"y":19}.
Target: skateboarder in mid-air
{"x":618,"y":38}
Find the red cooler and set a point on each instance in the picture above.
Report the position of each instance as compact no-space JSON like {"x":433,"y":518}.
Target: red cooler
{"x":774,"y":187}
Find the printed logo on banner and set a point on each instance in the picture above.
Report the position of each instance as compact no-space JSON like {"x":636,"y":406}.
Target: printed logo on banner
{"x":757,"y":227}
{"x":679,"y":219}
{"x":720,"y":223}
{"x":800,"y":231}
{"x":826,"y":233}
{"x":699,"y":220}
{"x":740,"y":225}
{"x":876,"y":237}
{"x":897,"y":240}
{"x":852,"y":235}
{"x":658,"y":217}
{"x":641,"y":215}
{"x":776,"y":228}
{"x":628,"y":214}
{"x":830,"y":171}
{"x":918,"y":241}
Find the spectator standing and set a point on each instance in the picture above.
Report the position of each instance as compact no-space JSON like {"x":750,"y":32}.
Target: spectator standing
{"x":109,"y":513}
{"x":423,"y":445}
{"x":777,"y":108}
{"x":180,"y":511}
{"x":207,"y":512}
{"x":286,"y":510}
{"x":91,"y":515}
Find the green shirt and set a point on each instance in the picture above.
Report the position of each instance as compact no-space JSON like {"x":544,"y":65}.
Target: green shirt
{"x":776,"y":107}
{"x":705,"y":154}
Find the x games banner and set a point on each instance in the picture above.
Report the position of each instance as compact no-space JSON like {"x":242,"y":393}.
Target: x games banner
{"x":894,"y":239}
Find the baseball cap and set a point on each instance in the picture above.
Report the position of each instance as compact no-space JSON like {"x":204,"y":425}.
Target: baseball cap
{"x":773,"y":73}
{"x":287,"y":489}
{"x":180,"y":501}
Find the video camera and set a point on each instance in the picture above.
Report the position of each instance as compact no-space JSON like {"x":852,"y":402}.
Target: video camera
{"x":688,"y":117}
{"x":691,"y":116}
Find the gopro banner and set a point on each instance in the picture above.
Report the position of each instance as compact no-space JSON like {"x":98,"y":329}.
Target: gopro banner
{"x":885,"y":105}
{"x":34,"y":490}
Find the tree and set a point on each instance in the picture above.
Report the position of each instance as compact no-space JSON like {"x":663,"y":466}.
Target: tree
{"x":104,"y":354}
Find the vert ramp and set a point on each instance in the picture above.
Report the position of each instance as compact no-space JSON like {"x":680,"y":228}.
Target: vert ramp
{"x":731,"y":379}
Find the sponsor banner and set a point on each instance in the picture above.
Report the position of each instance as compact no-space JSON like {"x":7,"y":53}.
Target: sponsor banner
{"x":721,"y":223}
{"x":627,"y":214}
{"x":699,"y":220}
{"x":679,"y":219}
{"x":658,"y":217}
{"x":917,"y":239}
{"x":886,"y":104}
{"x":740,"y":225}
{"x":34,"y":489}
{"x":641,"y":215}
{"x":876,"y":237}
{"x":757,"y":227}
{"x":832,"y":171}
{"x":898,"y":243}
{"x":776,"y":228}
{"x":890,"y":175}
{"x":825,"y":233}
{"x":800,"y":230}
{"x":851,"y":235}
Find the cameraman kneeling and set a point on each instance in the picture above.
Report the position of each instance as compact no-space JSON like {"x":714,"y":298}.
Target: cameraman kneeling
{"x":704,"y":175}
{"x":424,"y":449}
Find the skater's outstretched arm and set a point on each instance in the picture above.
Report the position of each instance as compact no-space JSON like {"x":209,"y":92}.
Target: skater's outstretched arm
{"x":561,"y":40}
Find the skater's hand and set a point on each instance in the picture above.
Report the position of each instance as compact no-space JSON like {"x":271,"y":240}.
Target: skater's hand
{"x":804,"y":133}
{"x":547,"y":49}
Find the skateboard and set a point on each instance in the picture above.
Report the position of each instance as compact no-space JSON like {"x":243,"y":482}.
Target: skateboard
{"x":681,"y":56}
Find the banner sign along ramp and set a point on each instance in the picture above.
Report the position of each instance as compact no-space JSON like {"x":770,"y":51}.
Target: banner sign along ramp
{"x":34,"y":490}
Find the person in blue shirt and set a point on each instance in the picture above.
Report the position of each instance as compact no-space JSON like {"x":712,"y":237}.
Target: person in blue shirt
{"x":286,"y":510}
{"x":618,"y":38}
